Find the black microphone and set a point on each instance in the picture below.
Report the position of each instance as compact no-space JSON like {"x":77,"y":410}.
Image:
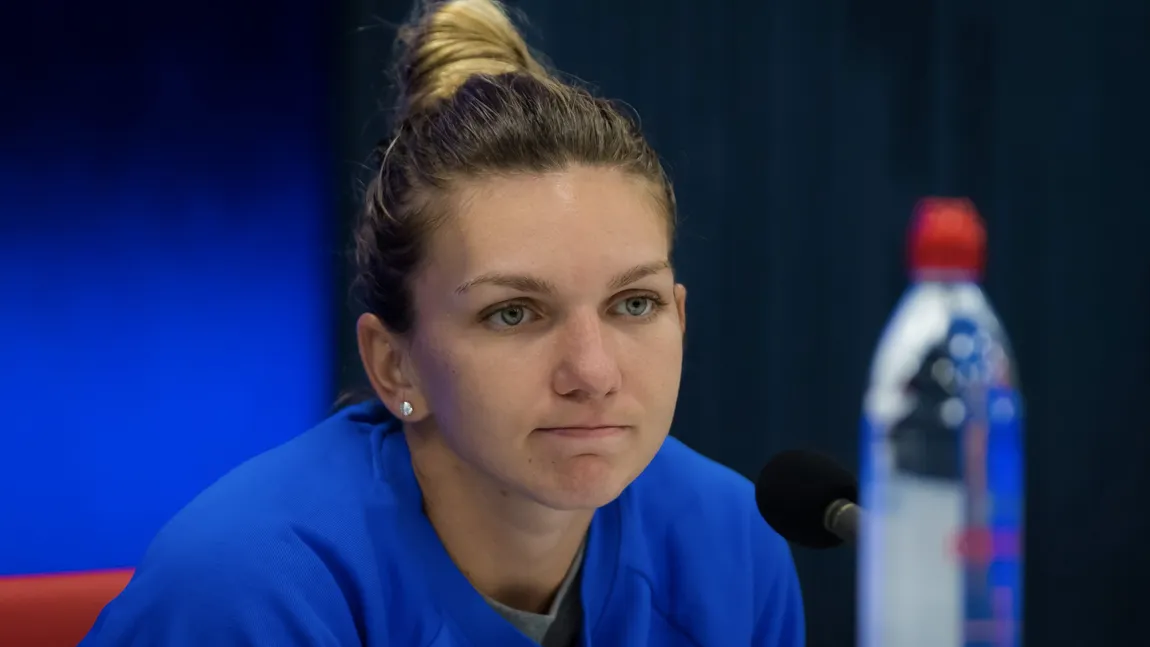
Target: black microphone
{"x":809,"y":499}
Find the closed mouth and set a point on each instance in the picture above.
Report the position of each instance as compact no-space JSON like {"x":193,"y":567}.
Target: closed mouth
{"x":596,"y":431}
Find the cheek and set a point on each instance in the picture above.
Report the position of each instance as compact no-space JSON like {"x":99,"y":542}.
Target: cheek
{"x":654,"y":362}
{"x":471,"y":393}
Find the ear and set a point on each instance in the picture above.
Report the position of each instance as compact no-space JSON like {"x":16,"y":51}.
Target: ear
{"x":681,"y":305}
{"x":387,"y":362}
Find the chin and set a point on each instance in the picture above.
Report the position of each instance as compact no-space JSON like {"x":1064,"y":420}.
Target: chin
{"x":571,"y":501}
{"x":584,"y":483}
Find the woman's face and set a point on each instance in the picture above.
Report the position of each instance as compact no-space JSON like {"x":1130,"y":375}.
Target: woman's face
{"x":549,"y":335}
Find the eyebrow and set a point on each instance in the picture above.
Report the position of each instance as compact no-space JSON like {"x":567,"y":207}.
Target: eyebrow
{"x":623,"y":279}
{"x":526,"y":283}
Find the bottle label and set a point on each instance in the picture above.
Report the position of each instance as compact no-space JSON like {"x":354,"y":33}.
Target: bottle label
{"x":990,"y":545}
{"x":942,"y":482}
{"x":990,"y":455}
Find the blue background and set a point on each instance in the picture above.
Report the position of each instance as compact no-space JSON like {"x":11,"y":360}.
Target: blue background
{"x":165,"y":264}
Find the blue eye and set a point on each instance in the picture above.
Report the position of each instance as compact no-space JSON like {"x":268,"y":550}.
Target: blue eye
{"x":637,"y":306}
{"x":509,"y":316}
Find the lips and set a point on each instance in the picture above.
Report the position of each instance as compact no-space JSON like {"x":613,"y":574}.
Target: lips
{"x":586,"y":431}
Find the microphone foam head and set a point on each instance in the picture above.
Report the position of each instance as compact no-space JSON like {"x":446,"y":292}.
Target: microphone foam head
{"x":794,"y":490}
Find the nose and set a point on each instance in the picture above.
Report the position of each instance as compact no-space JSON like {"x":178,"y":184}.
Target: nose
{"x":588,"y":368}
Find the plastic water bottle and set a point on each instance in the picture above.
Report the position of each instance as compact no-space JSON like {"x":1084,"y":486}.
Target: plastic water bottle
{"x":940,"y":561}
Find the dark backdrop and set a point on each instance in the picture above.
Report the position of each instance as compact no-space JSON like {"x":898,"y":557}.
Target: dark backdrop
{"x":799,"y":134}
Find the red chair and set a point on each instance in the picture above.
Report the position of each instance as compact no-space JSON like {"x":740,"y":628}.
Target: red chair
{"x":55,"y":610}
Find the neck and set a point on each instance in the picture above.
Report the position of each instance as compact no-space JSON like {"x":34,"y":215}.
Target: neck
{"x":513,"y":550}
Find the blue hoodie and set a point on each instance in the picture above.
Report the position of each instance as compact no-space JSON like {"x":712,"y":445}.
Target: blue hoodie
{"x":322,"y":541}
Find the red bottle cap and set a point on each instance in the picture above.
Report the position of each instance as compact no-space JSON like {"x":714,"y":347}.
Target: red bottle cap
{"x":947,"y":234}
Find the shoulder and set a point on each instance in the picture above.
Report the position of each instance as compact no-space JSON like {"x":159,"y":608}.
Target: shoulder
{"x":676,"y":462}
{"x":275,"y":552}
{"x":707,"y":544}
{"x":313,"y":483}
{"x":681,"y":485}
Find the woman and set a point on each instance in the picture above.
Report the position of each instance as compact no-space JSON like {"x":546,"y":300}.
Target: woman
{"x":524,"y":325}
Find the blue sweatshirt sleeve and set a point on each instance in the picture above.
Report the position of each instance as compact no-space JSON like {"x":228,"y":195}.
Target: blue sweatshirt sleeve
{"x":270,"y":591}
{"x":779,"y":603}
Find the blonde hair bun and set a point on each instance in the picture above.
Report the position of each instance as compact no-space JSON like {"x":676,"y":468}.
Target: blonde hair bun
{"x":454,"y":40}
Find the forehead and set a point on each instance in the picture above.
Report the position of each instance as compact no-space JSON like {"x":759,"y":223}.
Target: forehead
{"x":581,"y":222}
